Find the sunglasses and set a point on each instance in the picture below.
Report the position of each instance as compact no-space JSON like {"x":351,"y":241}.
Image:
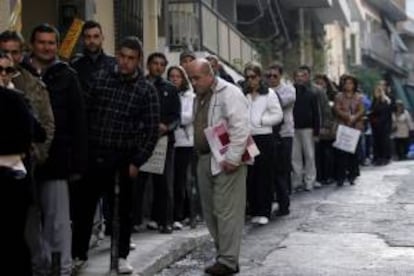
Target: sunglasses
{"x":275,"y":76}
{"x":250,"y":77}
{"x":12,"y":52}
{"x":8,"y":70}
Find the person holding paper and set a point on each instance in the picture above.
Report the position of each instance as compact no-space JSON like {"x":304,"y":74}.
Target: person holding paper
{"x":264,"y":112}
{"x":349,"y":110}
{"x":223,"y":195}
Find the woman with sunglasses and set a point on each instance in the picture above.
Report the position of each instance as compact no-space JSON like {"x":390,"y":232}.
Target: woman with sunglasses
{"x":264,"y":112}
{"x":7,"y":71}
{"x":18,"y":130}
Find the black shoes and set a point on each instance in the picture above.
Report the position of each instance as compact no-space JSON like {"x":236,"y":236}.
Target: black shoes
{"x":219,"y":269}
{"x":281,"y":213}
{"x":165,"y":229}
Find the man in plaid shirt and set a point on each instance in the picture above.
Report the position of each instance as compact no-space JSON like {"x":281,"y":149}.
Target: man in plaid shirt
{"x":124,"y":116}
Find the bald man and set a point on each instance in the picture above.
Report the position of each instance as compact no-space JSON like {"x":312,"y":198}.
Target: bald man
{"x":223,"y":196}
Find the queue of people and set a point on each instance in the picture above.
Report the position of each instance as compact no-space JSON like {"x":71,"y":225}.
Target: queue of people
{"x":88,"y":126}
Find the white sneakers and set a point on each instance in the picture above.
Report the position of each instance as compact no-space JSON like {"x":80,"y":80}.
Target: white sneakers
{"x":78,"y":265}
{"x":260,"y":220}
{"x":177,"y":225}
{"x":124,"y":267}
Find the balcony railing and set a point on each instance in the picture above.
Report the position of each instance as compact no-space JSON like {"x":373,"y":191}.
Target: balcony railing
{"x":196,"y":26}
{"x":378,"y":46}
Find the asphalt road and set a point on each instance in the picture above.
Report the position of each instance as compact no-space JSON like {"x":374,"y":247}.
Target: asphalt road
{"x":366,"y":229}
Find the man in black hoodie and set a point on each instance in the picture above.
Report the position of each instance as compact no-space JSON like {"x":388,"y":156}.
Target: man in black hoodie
{"x":170,"y":111}
{"x":67,"y":156}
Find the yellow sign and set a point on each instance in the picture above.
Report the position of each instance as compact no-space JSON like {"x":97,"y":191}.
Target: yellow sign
{"x":15,"y":20}
{"x":71,"y":38}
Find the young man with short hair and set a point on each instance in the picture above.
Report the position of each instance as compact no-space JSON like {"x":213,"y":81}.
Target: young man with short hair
{"x":123,"y":119}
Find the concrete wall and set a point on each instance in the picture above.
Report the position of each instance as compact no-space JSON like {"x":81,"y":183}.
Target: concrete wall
{"x":4,"y":14}
{"x":105,"y":15}
{"x":37,"y":12}
{"x":336,"y":52}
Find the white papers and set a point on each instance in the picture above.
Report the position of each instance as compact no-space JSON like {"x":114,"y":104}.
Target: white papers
{"x":156,"y":163}
{"x":219,"y":140}
{"x":347,"y":138}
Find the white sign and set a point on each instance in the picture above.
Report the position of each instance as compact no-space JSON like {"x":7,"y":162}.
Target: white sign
{"x":156,"y":163}
{"x":347,"y":138}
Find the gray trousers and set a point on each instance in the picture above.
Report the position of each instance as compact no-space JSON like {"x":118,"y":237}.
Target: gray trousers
{"x":48,"y":228}
{"x":303,"y":149}
{"x":223,"y":199}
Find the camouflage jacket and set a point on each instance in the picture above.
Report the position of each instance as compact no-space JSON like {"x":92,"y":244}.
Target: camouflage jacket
{"x":38,"y":97}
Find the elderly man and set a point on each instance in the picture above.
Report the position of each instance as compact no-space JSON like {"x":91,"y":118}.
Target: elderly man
{"x":223,"y":195}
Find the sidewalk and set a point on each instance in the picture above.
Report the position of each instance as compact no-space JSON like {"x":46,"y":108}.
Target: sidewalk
{"x":153,"y":251}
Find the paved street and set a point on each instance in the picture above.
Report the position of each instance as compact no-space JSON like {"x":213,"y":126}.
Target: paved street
{"x":366,"y":229}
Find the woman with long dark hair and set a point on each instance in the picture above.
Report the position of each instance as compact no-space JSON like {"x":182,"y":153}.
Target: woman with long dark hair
{"x":381,"y":122}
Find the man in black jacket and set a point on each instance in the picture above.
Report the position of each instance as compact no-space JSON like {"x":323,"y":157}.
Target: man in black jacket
{"x":86,"y":64}
{"x":307,"y":124}
{"x":170,"y":107}
{"x":67,"y":155}
{"x":93,"y":57}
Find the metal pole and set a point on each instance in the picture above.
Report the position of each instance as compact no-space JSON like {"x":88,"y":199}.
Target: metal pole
{"x":115,"y":230}
{"x":56,"y":264}
{"x":302,"y":35}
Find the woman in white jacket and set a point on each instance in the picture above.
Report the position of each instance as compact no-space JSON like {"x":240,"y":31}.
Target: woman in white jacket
{"x":184,"y":146}
{"x":264,"y":112}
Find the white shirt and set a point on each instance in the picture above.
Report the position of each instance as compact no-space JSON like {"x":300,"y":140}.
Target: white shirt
{"x":265,"y":111}
{"x":184,"y":135}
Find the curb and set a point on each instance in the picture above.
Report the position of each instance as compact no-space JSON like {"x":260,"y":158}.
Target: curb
{"x":170,"y":252}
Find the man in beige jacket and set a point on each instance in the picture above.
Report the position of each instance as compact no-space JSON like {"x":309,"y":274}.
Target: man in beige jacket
{"x":223,"y":195}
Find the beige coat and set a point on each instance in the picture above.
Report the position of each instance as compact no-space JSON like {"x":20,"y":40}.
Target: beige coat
{"x":402,"y":124}
{"x":38,"y":97}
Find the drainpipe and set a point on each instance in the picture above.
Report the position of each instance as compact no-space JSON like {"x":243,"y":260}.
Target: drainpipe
{"x":150,"y":26}
{"x":302,"y":36}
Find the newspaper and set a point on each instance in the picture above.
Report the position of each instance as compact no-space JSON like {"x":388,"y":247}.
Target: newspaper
{"x":219,"y":141}
{"x":156,"y":163}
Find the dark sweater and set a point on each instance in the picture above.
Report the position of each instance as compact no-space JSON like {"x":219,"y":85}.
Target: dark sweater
{"x":18,"y":126}
{"x":86,"y":65}
{"x":306,"y":111}
{"x":68,"y":152}
{"x":170,"y":106}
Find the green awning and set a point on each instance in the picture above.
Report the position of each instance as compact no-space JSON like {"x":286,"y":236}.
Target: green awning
{"x":409,"y":89}
{"x":400,"y":93}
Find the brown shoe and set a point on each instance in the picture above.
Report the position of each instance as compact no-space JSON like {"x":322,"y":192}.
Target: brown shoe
{"x":219,"y":269}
